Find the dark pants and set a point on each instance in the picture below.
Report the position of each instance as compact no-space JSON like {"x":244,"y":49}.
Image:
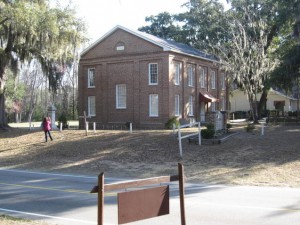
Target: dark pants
{"x":46,"y":136}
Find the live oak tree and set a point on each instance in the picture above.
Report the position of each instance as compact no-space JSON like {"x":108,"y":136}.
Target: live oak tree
{"x":244,"y":37}
{"x":31,"y":29}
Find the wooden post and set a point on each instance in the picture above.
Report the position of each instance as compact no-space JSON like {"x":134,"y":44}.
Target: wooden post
{"x":100,"y":199}
{"x":181,"y":193}
{"x":85,"y":122}
{"x":86,"y":128}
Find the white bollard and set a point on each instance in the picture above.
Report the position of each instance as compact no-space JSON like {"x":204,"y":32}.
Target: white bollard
{"x":180,"y":143}
{"x":94,"y":127}
{"x":130,"y":128}
{"x":262,"y":129}
{"x":60,"y":127}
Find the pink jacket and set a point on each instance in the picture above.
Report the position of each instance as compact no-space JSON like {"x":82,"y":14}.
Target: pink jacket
{"x":46,"y":125}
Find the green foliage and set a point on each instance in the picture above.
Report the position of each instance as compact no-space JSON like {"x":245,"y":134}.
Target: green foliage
{"x":210,"y":126}
{"x":250,"y":127}
{"x":62,"y":119}
{"x":209,"y":132}
{"x":228,"y":126}
{"x":170,"y":122}
{"x":31,"y":29}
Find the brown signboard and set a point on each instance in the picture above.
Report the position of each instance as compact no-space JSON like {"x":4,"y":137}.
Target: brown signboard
{"x":143,"y":204}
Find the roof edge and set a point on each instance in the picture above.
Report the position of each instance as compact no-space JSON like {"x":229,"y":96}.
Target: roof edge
{"x":165,"y":47}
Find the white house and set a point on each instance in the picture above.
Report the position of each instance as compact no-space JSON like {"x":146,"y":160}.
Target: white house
{"x":275,"y":101}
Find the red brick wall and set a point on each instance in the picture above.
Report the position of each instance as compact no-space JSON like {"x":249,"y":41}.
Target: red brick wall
{"x":130,"y":67}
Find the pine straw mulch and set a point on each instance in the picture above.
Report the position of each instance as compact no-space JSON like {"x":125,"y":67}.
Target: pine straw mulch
{"x":243,"y":159}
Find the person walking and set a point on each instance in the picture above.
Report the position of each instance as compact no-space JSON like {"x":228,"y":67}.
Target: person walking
{"x":47,"y":128}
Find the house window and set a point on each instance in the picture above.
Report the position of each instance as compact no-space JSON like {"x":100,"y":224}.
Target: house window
{"x":223,"y":81}
{"x":91,"y":78}
{"x":153,"y":105}
{"x":191,"y":106}
{"x":213,"y":80}
{"x":191,"y":76}
{"x":202,"y":78}
{"x":91,"y":106}
{"x":177,"y":105}
{"x":121,"y":96}
{"x":153,"y":74}
{"x":177,"y":74}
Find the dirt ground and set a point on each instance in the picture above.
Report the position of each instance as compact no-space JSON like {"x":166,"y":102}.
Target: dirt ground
{"x":243,"y":159}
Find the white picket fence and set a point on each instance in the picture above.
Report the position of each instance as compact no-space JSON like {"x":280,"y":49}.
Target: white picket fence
{"x":181,"y":136}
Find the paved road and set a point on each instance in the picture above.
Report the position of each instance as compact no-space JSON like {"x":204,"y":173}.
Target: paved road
{"x":64,"y":199}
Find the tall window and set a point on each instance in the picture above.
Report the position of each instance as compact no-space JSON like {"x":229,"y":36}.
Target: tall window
{"x":91,"y":78}
{"x":153,"y":105}
{"x":121,"y":96}
{"x":177,"y":105}
{"x":91,"y":106}
{"x":202,"y":78}
{"x":153,"y":74}
{"x":177,"y":74}
{"x":191,"y":76}
{"x":213,"y":80}
{"x":223,"y":81}
{"x":191,"y":106}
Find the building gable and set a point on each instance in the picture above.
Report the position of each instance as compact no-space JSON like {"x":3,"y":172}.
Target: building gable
{"x":121,"y":40}
{"x":120,"y":43}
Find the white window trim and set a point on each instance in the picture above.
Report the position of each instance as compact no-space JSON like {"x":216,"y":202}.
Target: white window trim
{"x":149,"y":74}
{"x":89,"y":78}
{"x":90,"y":105}
{"x":151,"y":114}
{"x":191,"y":76}
{"x":213,"y":79}
{"x":177,"y":105}
{"x":177,"y":73}
{"x":191,"y":106}
{"x":118,"y":96}
{"x":202,"y":78}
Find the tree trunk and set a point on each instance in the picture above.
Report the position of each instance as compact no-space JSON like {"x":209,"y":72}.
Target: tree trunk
{"x":262,"y":102}
{"x":3,"y":121}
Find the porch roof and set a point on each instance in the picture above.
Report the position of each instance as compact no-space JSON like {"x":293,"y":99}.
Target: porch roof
{"x":205,"y":96}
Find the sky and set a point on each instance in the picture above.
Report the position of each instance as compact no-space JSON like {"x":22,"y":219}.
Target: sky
{"x":103,"y":15}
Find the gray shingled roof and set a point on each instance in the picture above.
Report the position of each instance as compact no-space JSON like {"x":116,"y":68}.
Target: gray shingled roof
{"x":178,"y":47}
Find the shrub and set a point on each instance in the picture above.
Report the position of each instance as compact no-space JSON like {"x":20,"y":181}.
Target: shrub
{"x":250,"y":127}
{"x":63,"y":119}
{"x":228,"y":126}
{"x":207,"y":133}
{"x":170,"y":122}
{"x":210,"y":126}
